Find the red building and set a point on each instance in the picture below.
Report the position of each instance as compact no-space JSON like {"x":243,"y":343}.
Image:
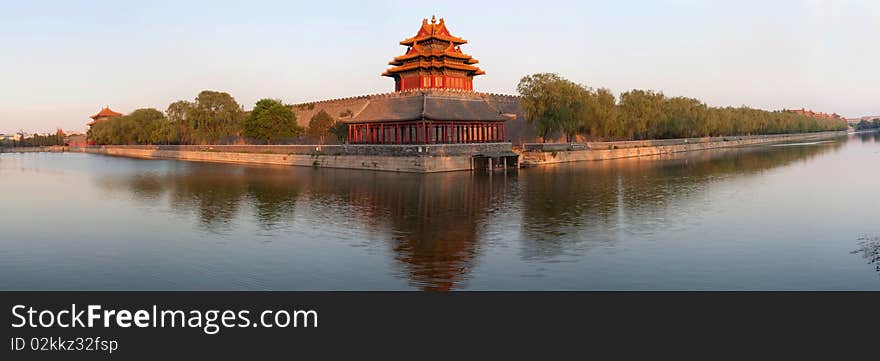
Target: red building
{"x":434,"y":100}
{"x":433,"y":59}
{"x":812,"y":114}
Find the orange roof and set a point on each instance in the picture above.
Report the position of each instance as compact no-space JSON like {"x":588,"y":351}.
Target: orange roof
{"x":433,"y":30}
{"x":434,"y":64}
{"x":106,"y":112}
{"x":416,"y":51}
{"x":429,"y":56}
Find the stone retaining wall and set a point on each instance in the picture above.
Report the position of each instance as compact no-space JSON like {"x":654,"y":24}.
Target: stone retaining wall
{"x":52,"y":149}
{"x":415,"y":164}
{"x":340,"y":149}
{"x":562,"y":153}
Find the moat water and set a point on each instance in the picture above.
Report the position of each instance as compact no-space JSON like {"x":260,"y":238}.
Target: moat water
{"x":784,"y":217}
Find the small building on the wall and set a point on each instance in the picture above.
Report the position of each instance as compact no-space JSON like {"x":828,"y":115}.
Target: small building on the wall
{"x":102,"y":116}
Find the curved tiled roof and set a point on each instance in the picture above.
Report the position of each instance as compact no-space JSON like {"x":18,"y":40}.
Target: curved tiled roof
{"x":433,"y":30}
{"x":431,"y":106}
{"x":431,"y":57}
{"x":106,"y":112}
{"x":434,"y":64}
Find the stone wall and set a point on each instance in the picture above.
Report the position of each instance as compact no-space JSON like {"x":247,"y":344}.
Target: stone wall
{"x":52,"y":149}
{"x":398,"y":163}
{"x":562,"y":153}
{"x":389,"y":150}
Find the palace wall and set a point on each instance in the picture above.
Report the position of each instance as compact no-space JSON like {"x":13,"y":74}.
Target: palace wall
{"x":551,"y":153}
{"x":394,"y":158}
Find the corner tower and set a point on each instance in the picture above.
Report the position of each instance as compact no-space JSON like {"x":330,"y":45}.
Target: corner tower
{"x":433,"y":60}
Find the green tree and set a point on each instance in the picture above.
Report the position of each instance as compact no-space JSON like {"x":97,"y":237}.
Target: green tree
{"x":142,"y":126}
{"x":602,"y":113}
{"x":319,"y":126}
{"x":641,"y":111}
{"x":270,"y":121}
{"x":552,"y":103}
{"x":214,"y":116}
{"x":340,"y":130}
{"x":178,"y":115}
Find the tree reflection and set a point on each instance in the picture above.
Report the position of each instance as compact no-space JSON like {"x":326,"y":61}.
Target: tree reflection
{"x":869,"y":249}
{"x":572,"y":207}
{"x":869,"y":137}
{"x":435,"y":220}
{"x":216,"y":193}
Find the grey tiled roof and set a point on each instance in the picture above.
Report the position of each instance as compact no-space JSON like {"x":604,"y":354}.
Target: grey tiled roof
{"x":428,"y":106}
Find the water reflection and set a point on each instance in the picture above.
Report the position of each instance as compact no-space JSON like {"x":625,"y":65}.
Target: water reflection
{"x":435,"y":226}
{"x":869,"y":249}
{"x":573,"y":207}
{"x":869,"y":137}
{"x":436,"y":219}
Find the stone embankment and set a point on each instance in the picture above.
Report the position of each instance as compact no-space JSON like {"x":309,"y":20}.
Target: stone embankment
{"x":395,"y":158}
{"x":51,"y":149}
{"x":429,"y":158}
{"x":534,"y":154}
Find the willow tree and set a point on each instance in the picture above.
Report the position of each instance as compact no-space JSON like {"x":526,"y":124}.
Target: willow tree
{"x":641,"y":111}
{"x":601,"y":118}
{"x":271,"y":121}
{"x":210,"y":118}
{"x":552,"y":103}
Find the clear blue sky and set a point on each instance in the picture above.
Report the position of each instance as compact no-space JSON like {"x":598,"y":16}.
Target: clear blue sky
{"x":62,"y":60}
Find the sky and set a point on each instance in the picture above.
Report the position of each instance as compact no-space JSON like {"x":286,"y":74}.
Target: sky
{"x":61,"y":61}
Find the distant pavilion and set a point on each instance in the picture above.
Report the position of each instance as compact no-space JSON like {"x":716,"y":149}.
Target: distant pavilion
{"x":102,"y":116}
